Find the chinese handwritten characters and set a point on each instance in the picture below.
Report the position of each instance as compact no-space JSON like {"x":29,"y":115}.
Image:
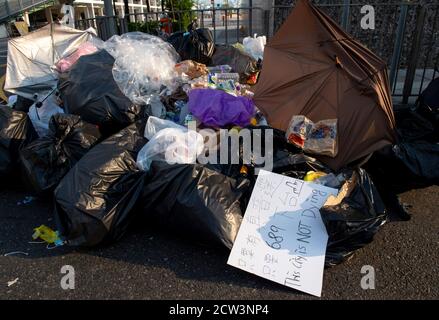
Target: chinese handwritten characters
{"x":282,"y":237}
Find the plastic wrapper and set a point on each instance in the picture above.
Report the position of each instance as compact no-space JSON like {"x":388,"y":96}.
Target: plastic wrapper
{"x":169,"y":142}
{"x":255,"y":46}
{"x":215,"y":108}
{"x":16,"y":131}
{"x":66,"y":63}
{"x":144,"y":65}
{"x":353,"y":217}
{"x":90,"y":91}
{"x":196,"y":45}
{"x":40,"y":116}
{"x":314,"y":138}
{"x":95,"y":201}
{"x":195,"y":202}
{"x":191,"y":69}
{"x":239,"y":61}
{"x":47,"y":160}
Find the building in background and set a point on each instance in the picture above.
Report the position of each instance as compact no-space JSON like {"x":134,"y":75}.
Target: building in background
{"x":89,"y":9}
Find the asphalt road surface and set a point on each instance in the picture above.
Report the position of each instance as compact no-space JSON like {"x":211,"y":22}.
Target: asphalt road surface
{"x":152,"y":264}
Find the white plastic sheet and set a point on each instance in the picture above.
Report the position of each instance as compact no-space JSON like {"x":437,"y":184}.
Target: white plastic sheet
{"x":144,"y":65}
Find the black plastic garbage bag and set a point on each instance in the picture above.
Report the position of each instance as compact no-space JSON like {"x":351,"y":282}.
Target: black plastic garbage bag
{"x":240,"y":62}
{"x":196,"y":45}
{"x":16,"y":131}
{"x":429,"y":102}
{"x":194,"y":201}
{"x":23,"y":104}
{"x":47,"y":160}
{"x":406,"y":166}
{"x":352,"y":222}
{"x":412,"y":126}
{"x":89,"y":90}
{"x":95,"y":201}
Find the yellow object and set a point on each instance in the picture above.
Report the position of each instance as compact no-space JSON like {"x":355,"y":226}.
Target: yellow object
{"x":253,"y":121}
{"x":45,"y":233}
{"x":312,"y":175}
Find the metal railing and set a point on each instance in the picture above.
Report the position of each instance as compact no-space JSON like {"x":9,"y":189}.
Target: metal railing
{"x":406,"y":35}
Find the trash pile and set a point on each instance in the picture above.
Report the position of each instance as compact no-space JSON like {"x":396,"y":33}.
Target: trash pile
{"x":131,"y":130}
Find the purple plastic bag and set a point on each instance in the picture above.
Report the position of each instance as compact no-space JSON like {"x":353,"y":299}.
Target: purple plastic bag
{"x":216,"y":108}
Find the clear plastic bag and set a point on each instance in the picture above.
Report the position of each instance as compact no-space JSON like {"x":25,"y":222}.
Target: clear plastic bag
{"x":314,"y":138}
{"x":144,"y":65}
{"x":154,"y":125}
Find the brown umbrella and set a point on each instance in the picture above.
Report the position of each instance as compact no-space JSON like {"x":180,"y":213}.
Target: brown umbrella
{"x":313,"y":68}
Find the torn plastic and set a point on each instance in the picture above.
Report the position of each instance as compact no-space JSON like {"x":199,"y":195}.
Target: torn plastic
{"x":194,"y":201}
{"x":169,"y":142}
{"x":144,"y":65}
{"x":255,"y":46}
{"x":94,"y":202}
{"x":353,"y":217}
{"x":96,"y":101}
{"x":196,"y":45}
{"x":315,"y":138}
{"x":16,"y":131}
{"x":40,"y":114}
{"x":216,"y":108}
{"x":47,"y":160}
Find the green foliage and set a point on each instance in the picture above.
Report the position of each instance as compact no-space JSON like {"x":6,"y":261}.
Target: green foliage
{"x":180,"y":13}
{"x":146,"y":27}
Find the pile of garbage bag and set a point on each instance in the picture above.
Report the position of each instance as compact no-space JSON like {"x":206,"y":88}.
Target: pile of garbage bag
{"x":47,"y":159}
{"x":121,"y":135}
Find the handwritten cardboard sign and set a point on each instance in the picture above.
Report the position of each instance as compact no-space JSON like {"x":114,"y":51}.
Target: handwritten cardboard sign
{"x":282,"y":237}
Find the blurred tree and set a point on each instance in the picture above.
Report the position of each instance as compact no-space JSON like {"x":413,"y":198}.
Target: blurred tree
{"x":180,"y":12}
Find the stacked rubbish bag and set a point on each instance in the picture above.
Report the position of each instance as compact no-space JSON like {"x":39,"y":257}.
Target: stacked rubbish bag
{"x":132,"y":130}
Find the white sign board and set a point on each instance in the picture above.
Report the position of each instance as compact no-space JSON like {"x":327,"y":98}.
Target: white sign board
{"x":282,"y":236}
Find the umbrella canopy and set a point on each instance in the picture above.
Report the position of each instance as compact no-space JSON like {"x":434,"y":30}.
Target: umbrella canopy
{"x":31,"y":57}
{"x":313,"y":68}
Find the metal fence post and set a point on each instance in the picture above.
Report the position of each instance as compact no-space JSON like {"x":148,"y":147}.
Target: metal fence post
{"x":267,"y":22}
{"x":396,"y":56}
{"x":346,"y":14}
{"x":414,"y":55}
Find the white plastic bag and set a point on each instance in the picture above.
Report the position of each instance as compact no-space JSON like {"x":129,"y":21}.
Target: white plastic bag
{"x":40,"y":117}
{"x":255,"y":46}
{"x":173,"y":145}
{"x":144,"y":65}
